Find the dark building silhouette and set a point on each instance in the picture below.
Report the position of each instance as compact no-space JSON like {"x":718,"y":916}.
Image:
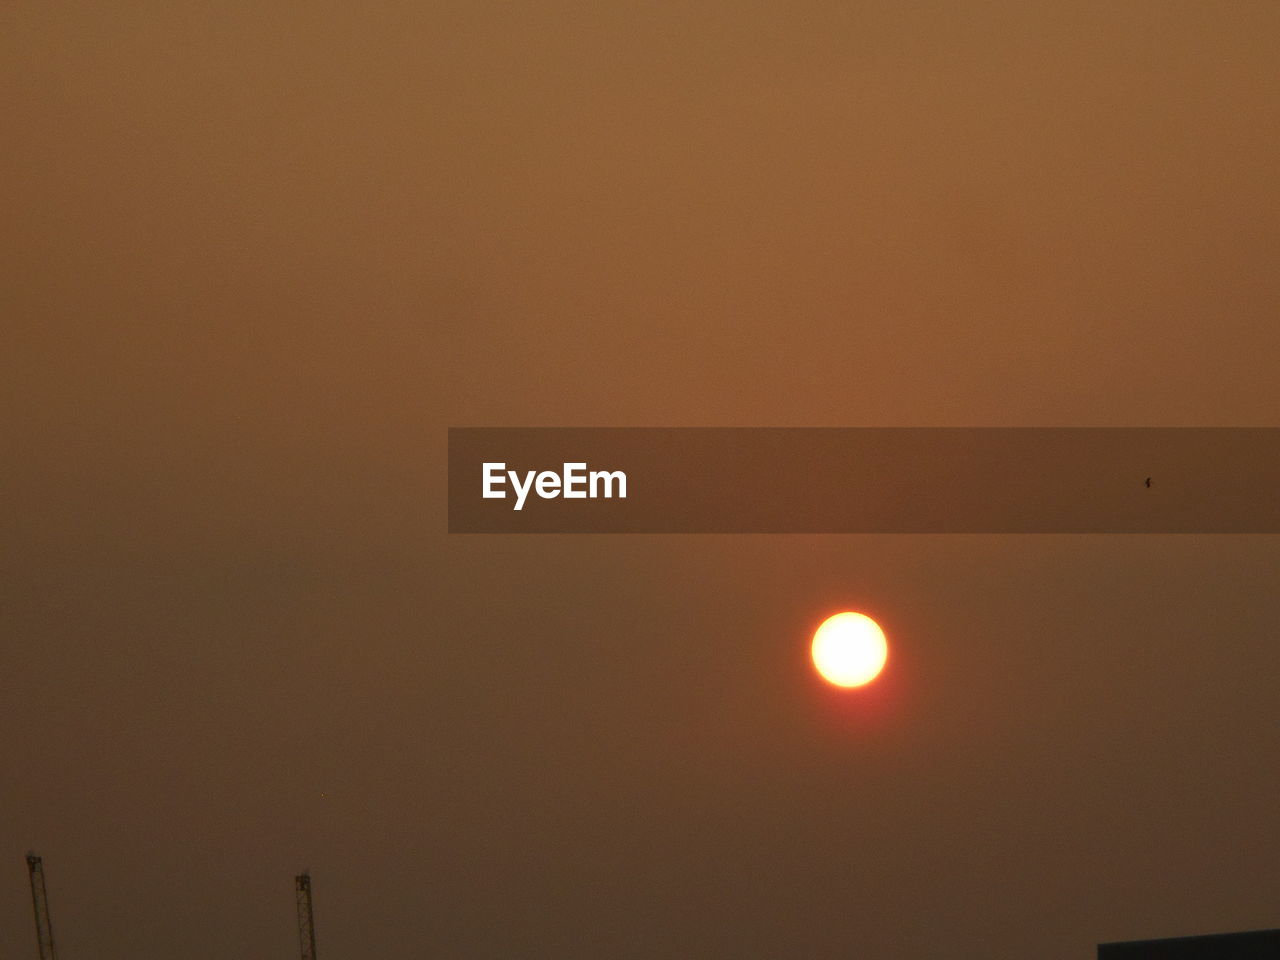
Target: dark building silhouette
{"x":1251,"y":945}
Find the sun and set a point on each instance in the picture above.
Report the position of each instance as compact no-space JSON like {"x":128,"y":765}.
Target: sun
{"x":849,"y":649}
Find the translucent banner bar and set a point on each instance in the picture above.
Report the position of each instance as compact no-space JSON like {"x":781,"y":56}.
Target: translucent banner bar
{"x":864,"y":480}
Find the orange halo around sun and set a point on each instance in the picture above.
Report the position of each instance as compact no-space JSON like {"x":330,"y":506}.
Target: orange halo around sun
{"x":849,"y":649}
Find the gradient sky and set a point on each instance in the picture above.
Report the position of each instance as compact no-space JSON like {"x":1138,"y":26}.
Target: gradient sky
{"x":257,"y":259}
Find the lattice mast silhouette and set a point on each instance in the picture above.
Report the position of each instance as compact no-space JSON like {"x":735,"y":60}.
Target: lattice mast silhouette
{"x":40,"y":900}
{"x":306,"y":920}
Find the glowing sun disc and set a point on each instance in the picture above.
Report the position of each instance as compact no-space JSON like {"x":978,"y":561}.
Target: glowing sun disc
{"x":849,"y":649}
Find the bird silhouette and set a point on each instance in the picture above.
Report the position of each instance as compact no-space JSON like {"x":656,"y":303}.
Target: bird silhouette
{"x":1148,"y":481}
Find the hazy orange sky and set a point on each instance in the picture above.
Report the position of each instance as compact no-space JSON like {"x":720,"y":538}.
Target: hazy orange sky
{"x":258,"y":258}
